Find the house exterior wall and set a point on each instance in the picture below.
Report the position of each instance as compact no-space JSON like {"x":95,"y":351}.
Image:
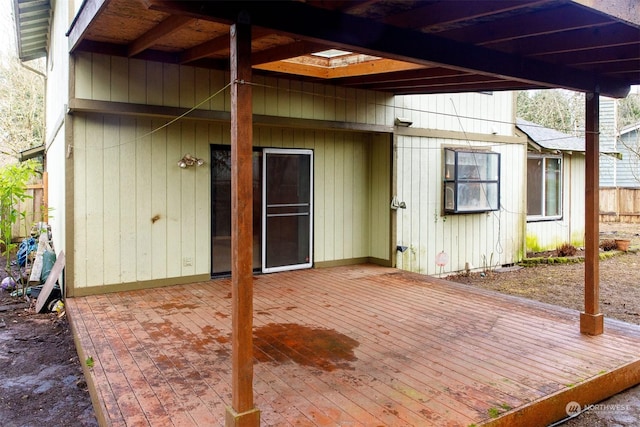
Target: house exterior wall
{"x":608,"y":175}
{"x":478,"y":240}
{"x":56,"y":99}
{"x":628,"y":168}
{"x":548,"y":235}
{"x":139,"y":220}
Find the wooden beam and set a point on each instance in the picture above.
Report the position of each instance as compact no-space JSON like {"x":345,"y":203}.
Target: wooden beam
{"x":205,"y":49}
{"x":439,"y":15}
{"x":242,"y":411}
{"x":591,"y":320}
{"x":78,"y":105}
{"x":210,"y":47}
{"x":547,"y":21}
{"x":171,"y":24}
{"x":279,"y":53}
{"x":88,"y":11}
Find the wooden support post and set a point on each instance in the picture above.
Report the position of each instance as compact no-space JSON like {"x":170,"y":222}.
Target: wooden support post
{"x":242,"y":411}
{"x":591,"y":320}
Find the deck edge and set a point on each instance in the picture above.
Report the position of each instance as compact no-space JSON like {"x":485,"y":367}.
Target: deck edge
{"x":553,"y":408}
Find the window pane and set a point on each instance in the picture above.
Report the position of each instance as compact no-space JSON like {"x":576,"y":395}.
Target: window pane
{"x":534,"y":186}
{"x":472,"y":182}
{"x":449,"y":195}
{"x":471,"y":166}
{"x":450,"y":164}
{"x":552,"y":187}
{"x":472,"y":196}
{"x":492,"y":167}
{"x":491,"y":189}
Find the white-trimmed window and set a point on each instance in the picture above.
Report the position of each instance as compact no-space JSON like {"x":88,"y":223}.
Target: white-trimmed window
{"x":471,"y":181}
{"x":544,"y":187}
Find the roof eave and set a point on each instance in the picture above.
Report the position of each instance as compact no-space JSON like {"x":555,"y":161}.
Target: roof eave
{"x":32,"y":21}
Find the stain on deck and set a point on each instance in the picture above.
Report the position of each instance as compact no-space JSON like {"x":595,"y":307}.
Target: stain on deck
{"x":319,"y":348}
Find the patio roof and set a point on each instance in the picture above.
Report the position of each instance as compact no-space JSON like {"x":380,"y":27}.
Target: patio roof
{"x":401,"y":47}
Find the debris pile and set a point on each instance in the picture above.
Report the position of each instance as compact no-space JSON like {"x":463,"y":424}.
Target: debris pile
{"x":42,"y":270}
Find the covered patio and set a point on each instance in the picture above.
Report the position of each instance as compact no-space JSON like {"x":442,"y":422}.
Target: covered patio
{"x":351,"y":345}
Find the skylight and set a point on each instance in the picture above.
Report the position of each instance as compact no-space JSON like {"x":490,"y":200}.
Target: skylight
{"x":332,"y":53}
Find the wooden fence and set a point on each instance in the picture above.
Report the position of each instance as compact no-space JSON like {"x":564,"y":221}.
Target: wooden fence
{"x":33,"y":207}
{"x":620,"y":205}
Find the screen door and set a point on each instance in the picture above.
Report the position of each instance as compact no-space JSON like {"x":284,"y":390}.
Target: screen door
{"x":287,"y":209}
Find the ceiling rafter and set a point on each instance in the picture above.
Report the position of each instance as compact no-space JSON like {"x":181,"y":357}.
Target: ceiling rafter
{"x":434,"y":17}
{"x":163,"y":29}
{"x":213,"y":46}
{"x":582,"y":39}
{"x":402,"y":76}
{"x":298,"y":48}
{"x":538,"y":23}
{"x":205,"y":49}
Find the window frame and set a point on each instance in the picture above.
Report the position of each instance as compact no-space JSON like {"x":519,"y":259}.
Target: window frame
{"x":454,"y":181}
{"x":543,"y":199}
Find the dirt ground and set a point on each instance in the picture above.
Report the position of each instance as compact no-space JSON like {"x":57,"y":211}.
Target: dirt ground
{"x":41,"y":381}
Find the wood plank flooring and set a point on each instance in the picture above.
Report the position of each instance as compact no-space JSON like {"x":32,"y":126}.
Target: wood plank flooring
{"x":348,"y":346}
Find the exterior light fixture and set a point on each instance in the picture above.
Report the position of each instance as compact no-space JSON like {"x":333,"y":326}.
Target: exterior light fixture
{"x":188,"y":160}
{"x":403,"y":121}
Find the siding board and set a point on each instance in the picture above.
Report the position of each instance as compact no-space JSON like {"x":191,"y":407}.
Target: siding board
{"x":80,"y":197}
{"x":127,"y":194}
{"x":94,"y":255}
{"x":187,"y":202}
{"x":154,"y":83}
{"x":174,"y":203}
{"x":83,"y":64}
{"x":101,"y":73}
{"x":143,"y":191}
{"x":111,"y":199}
{"x":119,"y":79}
{"x":137,"y":75}
{"x":202,"y":206}
{"x":160,"y":164}
{"x":170,"y":85}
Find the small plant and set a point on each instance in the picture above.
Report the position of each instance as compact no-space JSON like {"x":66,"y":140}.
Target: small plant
{"x":89,"y":362}
{"x":487,"y":265}
{"x":13,"y":190}
{"x":493,"y":412}
{"x":608,"y":245}
{"x":566,"y":249}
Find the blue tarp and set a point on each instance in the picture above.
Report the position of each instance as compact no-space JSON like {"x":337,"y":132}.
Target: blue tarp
{"x":26,"y":247}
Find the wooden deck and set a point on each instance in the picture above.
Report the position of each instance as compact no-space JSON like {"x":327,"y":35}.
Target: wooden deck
{"x":348,"y":346}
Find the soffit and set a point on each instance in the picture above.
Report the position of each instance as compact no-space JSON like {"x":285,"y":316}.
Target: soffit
{"x":399,"y":46}
{"x":32,"y":27}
